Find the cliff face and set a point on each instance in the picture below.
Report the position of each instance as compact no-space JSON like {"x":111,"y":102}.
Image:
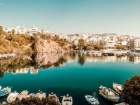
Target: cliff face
{"x":43,"y":46}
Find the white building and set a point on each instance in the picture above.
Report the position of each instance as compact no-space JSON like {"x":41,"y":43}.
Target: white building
{"x":20,"y":30}
{"x":33,"y":30}
{"x":135,"y":44}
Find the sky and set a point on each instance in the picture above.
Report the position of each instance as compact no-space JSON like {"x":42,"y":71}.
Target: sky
{"x":73,"y":16}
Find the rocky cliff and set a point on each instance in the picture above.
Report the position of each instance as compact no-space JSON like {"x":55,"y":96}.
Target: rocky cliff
{"x":45,"y":46}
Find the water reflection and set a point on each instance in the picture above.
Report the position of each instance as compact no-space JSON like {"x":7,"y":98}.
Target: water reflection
{"x":27,"y":63}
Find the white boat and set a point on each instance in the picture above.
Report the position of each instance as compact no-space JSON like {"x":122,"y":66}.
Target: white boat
{"x":91,"y":100}
{"x":109,"y":94}
{"x":31,"y":95}
{"x":12,"y":97}
{"x":23,"y":94}
{"x":67,"y":100}
{"x":122,"y":103}
{"x":40,"y":95}
{"x":54,"y":97}
{"x":118,"y":88}
{"x":5,"y":91}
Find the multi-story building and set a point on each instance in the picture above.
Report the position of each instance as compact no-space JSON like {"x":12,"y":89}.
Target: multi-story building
{"x":21,"y":30}
{"x":33,"y":30}
{"x":135,"y":44}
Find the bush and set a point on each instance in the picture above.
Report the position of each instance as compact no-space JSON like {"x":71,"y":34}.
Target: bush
{"x":131,"y":91}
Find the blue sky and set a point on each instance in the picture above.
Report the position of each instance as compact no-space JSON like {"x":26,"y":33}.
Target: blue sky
{"x":73,"y":16}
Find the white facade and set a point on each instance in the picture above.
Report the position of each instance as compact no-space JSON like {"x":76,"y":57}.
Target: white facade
{"x":109,"y":44}
{"x":33,"y":30}
{"x":21,"y":30}
{"x":135,"y":44}
{"x":124,"y":43}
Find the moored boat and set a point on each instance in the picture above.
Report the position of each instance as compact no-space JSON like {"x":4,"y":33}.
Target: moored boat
{"x":91,"y":100}
{"x":54,"y":97}
{"x":40,"y":95}
{"x":23,"y":94}
{"x":109,"y":94}
{"x":5,"y":91}
{"x":122,"y":103}
{"x":12,"y":97}
{"x":67,"y":100}
{"x":118,"y":88}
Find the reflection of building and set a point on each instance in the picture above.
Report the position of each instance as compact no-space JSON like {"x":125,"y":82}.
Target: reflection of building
{"x":136,"y":59}
{"x":33,"y":71}
{"x":25,"y":71}
{"x":21,"y":71}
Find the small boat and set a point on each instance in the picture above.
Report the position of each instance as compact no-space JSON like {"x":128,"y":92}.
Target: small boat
{"x":109,"y":94}
{"x":122,"y":103}
{"x":54,"y":96}
{"x":5,"y":91}
{"x":40,"y":95}
{"x":91,"y":100}
{"x":67,"y":100}
{"x":12,"y":97}
{"x":31,"y":95}
{"x":118,"y":88}
{"x":23,"y":94}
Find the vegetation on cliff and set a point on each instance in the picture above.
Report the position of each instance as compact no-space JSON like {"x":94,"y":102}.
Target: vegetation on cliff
{"x":14,"y":43}
{"x":17,"y":43}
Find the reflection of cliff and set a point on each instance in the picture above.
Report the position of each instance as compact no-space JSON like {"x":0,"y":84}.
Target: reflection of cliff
{"x":45,"y":58}
{"x":18,"y":64}
{"x":25,"y":64}
{"x":50,"y":59}
{"x":13,"y":63}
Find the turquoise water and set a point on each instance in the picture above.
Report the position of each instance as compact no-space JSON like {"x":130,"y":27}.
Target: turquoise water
{"x":74,"y":79}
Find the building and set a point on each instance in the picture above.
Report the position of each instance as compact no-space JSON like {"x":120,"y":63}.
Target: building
{"x":135,"y":44}
{"x":21,"y":30}
{"x":33,"y":30}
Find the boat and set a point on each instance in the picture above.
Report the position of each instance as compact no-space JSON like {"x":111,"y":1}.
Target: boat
{"x":91,"y":100}
{"x":118,"y":88}
{"x":12,"y":97}
{"x":122,"y":103}
{"x":40,"y":95}
{"x":67,"y":100}
{"x":109,"y":94}
{"x":31,"y":95}
{"x":5,"y":91}
{"x":54,"y":97}
{"x":23,"y":94}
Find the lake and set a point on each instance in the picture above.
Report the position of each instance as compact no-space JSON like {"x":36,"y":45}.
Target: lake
{"x":74,"y":74}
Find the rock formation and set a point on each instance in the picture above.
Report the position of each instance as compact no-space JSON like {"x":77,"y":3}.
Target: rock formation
{"x":45,"y":46}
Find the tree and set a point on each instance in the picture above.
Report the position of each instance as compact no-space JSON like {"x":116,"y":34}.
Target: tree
{"x":1,"y":30}
{"x":98,"y":47}
{"x":13,"y":31}
{"x":122,"y":47}
{"x":89,"y":46}
{"x":131,"y":91}
{"x":81,"y":44}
